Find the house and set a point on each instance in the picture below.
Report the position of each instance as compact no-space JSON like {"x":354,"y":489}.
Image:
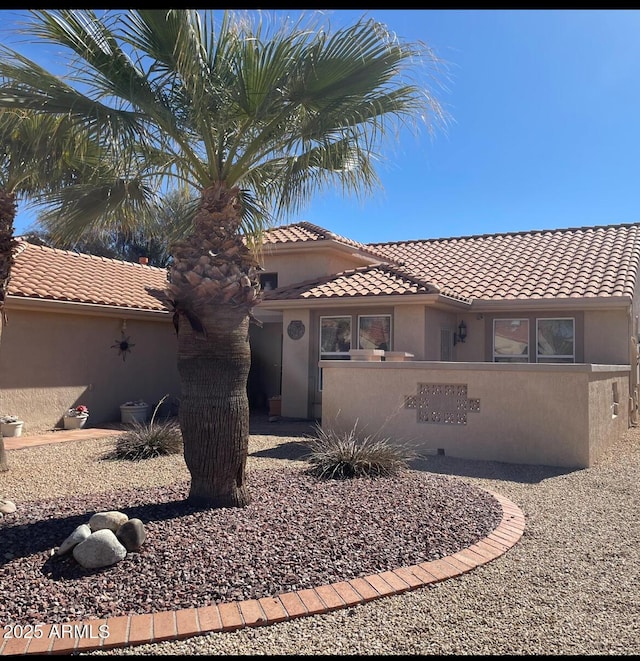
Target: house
{"x":514,"y":347}
{"x":83,"y":330}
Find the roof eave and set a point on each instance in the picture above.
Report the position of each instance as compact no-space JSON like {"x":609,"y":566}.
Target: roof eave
{"x":361,"y":301}
{"x":74,"y":307}
{"x":581,"y":302}
{"x":587,"y":302}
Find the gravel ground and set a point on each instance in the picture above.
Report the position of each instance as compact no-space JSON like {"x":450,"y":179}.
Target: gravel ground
{"x":570,"y":586}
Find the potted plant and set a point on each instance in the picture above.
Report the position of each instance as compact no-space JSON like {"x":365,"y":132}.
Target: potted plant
{"x":76,"y":417}
{"x":275,"y":406}
{"x":136,"y":410}
{"x":11,"y":425}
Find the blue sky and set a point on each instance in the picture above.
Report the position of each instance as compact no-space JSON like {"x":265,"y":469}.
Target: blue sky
{"x":544,"y":128}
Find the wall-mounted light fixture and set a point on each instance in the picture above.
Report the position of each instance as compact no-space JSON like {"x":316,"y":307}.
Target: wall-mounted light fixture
{"x":461,"y":335}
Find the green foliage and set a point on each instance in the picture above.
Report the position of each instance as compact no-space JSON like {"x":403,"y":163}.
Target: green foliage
{"x":280,"y":111}
{"x":148,"y":440}
{"x":335,"y":455}
{"x":158,"y":229}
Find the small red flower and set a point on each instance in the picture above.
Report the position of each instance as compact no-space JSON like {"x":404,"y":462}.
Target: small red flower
{"x":77,"y":411}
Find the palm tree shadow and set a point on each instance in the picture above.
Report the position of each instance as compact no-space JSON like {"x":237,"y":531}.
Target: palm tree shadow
{"x":293,"y":450}
{"x":160,"y":295}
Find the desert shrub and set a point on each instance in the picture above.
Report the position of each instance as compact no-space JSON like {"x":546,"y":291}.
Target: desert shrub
{"x":148,"y":440}
{"x":343,"y":455}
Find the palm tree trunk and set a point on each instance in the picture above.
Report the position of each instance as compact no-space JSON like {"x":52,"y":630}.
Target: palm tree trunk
{"x":213,"y":288}
{"x":214,"y":407}
{"x":7,"y":243}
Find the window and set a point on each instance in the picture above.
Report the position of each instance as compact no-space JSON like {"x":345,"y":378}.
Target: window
{"x":556,"y":340}
{"x":335,"y":336}
{"x":335,"y":340}
{"x":511,"y":340}
{"x":268,"y":281}
{"x":374,"y":332}
{"x":446,"y":344}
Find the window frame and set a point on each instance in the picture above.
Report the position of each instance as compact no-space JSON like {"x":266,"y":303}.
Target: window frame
{"x":371,"y":316}
{"x":556,"y":358}
{"x":268,"y":280}
{"x":333,"y":355}
{"x":515,"y":357}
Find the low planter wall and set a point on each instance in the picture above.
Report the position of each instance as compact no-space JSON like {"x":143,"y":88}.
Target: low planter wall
{"x":552,"y":414}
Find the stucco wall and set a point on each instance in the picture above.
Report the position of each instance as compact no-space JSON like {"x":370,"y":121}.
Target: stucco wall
{"x":606,"y":336}
{"x":295,"y":366}
{"x":50,"y":362}
{"x":609,"y":406}
{"x":304,"y":265}
{"x":473,"y":348}
{"x":557,"y":415}
{"x":435,"y":320}
{"x":409,"y":330}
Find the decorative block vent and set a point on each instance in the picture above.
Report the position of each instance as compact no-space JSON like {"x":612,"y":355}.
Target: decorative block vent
{"x":442,"y":403}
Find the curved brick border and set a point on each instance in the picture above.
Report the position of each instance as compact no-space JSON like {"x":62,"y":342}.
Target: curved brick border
{"x":129,"y":630}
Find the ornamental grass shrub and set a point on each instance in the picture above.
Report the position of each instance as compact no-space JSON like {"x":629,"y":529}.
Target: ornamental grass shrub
{"x":343,"y":455}
{"x":146,"y":440}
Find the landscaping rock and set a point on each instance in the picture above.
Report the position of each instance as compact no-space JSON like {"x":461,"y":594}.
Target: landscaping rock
{"x":109,"y":520}
{"x":104,"y":540}
{"x":131,"y":534}
{"x":100,"y":549}
{"x":6,"y":506}
{"x":78,"y":535}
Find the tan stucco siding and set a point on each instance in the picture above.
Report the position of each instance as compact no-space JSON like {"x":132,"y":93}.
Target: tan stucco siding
{"x":296,"y":366}
{"x":557,"y":415}
{"x":472,"y":349}
{"x":606,"y":336}
{"x":50,"y":362}
{"x":608,"y":411}
{"x":435,"y":321}
{"x":307,"y":265}
{"x":409,"y":330}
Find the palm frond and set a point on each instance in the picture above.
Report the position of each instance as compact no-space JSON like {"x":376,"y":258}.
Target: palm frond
{"x":279,"y":110}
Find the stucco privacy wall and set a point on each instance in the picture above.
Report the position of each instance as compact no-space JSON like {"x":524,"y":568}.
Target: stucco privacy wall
{"x":42,"y":374}
{"x":556,"y":414}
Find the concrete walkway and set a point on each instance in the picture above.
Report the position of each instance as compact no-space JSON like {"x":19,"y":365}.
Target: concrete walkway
{"x":259,"y":424}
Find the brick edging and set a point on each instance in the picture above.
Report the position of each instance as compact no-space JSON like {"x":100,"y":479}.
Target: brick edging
{"x":129,"y":630}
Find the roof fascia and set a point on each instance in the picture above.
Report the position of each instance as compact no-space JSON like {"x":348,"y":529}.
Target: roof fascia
{"x":91,"y":309}
{"x":440,"y":300}
{"x":361,"y":301}
{"x":581,"y":303}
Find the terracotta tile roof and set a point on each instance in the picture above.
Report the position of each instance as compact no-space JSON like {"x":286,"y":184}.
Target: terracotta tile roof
{"x":378,"y":280}
{"x":308,"y":232}
{"x":601,"y":261}
{"x":567,"y":263}
{"x":49,"y":273}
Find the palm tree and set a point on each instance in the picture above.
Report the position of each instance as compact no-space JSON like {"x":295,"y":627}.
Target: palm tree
{"x":163,"y":224}
{"x":253,"y":117}
{"x":39,"y":153}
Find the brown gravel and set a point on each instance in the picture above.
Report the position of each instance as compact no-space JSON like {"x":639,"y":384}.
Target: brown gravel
{"x":297,"y":533}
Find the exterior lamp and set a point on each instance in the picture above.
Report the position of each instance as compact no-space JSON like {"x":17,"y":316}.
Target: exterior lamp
{"x":461,"y":335}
